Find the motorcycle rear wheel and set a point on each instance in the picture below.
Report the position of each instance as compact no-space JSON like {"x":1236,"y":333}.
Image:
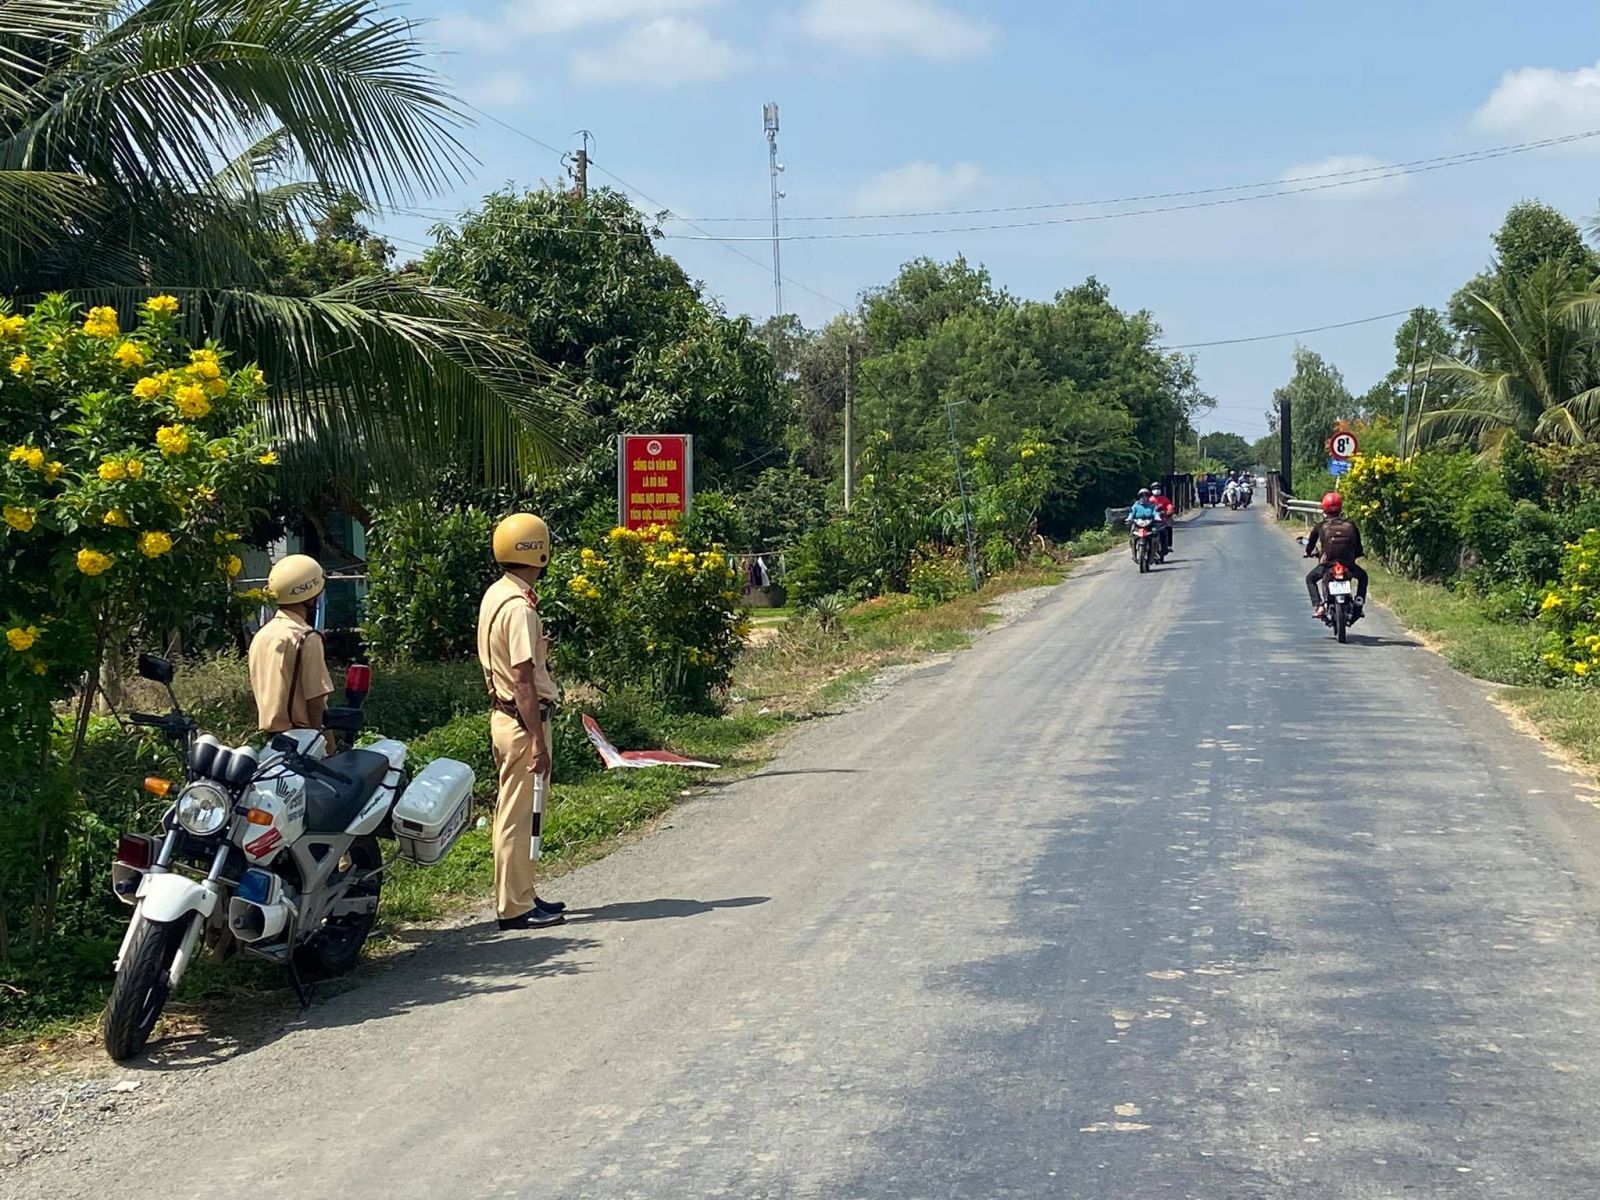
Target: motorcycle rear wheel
{"x":337,"y":946}
{"x":142,"y":986}
{"x":1341,"y":621}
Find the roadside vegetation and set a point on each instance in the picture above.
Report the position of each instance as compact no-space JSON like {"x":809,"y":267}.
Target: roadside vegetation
{"x":1484,"y":536}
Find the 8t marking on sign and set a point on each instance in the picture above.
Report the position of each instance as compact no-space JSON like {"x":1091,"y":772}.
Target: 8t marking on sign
{"x":1343,"y":444}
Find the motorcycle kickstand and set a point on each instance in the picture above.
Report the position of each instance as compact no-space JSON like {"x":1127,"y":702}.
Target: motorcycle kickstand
{"x":303,"y":991}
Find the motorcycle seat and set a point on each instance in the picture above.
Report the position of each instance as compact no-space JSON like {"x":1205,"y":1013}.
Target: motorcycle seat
{"x":330,"y":806}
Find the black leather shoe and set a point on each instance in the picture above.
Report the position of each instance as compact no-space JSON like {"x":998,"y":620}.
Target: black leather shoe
{"x":550,"y":906}
{"x":532,"y":919}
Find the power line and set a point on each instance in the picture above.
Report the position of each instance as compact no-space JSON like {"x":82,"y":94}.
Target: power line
{"x":1267,"y":337}
{"x":1365,"y":174}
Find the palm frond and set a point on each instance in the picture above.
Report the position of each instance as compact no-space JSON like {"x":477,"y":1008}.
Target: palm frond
{"x":1462,"y":422}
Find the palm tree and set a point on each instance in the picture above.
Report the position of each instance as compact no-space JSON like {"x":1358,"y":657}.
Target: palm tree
{"x":164,"y":144}
{"x":1535,"y":370}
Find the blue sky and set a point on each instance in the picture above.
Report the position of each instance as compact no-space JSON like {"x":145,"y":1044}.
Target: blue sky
{"x":907,"y":105}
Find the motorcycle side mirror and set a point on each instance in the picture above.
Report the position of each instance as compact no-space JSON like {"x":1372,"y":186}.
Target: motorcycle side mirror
{"x":155,"y":668}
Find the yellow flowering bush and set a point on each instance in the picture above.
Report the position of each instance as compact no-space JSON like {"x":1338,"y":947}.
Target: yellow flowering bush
{"x":110,"y":519}
{"x":647,"y":612}
{"x":1570,"y":611}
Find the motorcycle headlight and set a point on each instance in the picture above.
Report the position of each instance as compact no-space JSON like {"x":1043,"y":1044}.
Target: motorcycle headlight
{"x":203,"y":808}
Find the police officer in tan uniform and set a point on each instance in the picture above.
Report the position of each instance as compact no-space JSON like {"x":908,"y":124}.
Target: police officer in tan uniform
{"x":288,"y":673}
{"x":515,"y":659}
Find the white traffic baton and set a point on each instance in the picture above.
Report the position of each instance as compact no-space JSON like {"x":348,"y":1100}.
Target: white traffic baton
{"x":541,"y":788}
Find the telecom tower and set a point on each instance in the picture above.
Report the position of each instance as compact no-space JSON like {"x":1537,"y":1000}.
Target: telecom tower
{"x":769,"y":122}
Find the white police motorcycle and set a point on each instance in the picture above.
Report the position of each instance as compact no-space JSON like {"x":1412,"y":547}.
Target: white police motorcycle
{"x":275,"y":853}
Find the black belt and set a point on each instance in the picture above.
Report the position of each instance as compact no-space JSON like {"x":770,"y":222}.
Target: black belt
{"x":547,"y":709}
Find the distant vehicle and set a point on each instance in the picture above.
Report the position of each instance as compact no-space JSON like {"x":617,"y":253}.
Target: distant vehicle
{"x":1208,"y":489}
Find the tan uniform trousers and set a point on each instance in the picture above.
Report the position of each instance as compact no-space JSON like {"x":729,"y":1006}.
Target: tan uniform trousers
{"x":513,"y":815}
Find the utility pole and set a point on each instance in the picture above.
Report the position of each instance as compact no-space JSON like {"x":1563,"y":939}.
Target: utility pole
{"x":1285,"y":448}
{"x":580,"y":165}
{"x":849,"y":430}
{"x":1405,"y":411}
{"x":769,"y":122}
{"x":1422,"y":400}
{"x":961,"y":482}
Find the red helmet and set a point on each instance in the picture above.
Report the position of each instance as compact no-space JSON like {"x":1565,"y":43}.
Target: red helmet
{"x":1332,"y":502}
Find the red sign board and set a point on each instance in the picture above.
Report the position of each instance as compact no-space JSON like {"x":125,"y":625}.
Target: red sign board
{"x":655,"y":478}
{"x":1343,"y":444}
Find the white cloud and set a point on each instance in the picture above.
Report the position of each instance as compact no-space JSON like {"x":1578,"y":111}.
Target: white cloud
{"x":1541,"y":102}
{"x":918,"y":187}
{"x":502,"y":89}
{"x":1347,"y":171}
{"x":469,"y":33}
{"x":564,"y":16}
{"x":661,"y":53}
{"x":920,"y":28}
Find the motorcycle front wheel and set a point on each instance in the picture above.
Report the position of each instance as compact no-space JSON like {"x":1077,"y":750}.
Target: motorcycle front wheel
{"x":142,"y":986}
{"x":334,"y":949}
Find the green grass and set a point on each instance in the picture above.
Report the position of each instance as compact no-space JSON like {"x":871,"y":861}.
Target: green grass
{"x":1568,"y":716}
{"x":1469,"y":639}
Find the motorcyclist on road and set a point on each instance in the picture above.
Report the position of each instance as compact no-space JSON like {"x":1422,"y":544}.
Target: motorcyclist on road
{"x":1163,"y":504}
{"x":1144,"y":508}
{"x":1338,"y":541}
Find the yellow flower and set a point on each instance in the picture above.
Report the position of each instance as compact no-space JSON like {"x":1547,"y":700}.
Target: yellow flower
{"x":21,"y":638}
{"x":53,"y":471}
{"x":135,"y":469}
{"x":163,"y":306}
{"x":269,"y":459}
{"x":29,"y":456}
{"x":115,"y":516}
{"x":20,"y":519}
{"x":112,"y":470}
{"x":191,"y":401}
{"x":205,"y":368}
{"x":39,"y":668}
{"x":21,"y":365}
{"x":172,"y":440}
{"x":92,"y":562}
{"x":129,"y":355}
{"x":154,"y":544}
{"x":254,"y":375}
{"x":1551,"y":600}
{"x":101,"y":322}
{"x":234,"y":565}
{"x":11,"y":328}
{"x":1580,"y":668}
{"x":217,"y":450}
{"x":216,"y":387}
{"x":149,"y":387}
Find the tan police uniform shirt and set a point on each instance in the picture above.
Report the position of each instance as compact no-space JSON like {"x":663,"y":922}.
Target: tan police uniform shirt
{"x":273,"y":653}
{"x":509,"y":633}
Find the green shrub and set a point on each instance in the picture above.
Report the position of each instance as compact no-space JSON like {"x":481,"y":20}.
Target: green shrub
{"x":646,"y":612}
{"x":822,"y":565}
{"x":999,"y":555}
{"x":780,"y":507}
{"x":1523,"y":474}
{"x":1534,"y":552}
{"x":714,"y":521}
{"x":1485,"y":522}
{"x":937,"y":578}
{"x":1571,"y":612}
{"x":426,"y":571}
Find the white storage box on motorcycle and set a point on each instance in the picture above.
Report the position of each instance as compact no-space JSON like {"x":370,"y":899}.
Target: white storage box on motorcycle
{"x":432,"y":812}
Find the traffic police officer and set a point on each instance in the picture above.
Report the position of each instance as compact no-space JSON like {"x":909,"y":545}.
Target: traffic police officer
{"x":515,"y":658}
{"x":288,"y":673}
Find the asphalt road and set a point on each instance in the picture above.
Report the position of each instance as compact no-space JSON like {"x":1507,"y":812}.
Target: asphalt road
{"x":1157,"y":892}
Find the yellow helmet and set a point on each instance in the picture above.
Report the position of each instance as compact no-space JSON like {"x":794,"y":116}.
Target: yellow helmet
{"x":295,"y":579}
{"x":522,"y":540}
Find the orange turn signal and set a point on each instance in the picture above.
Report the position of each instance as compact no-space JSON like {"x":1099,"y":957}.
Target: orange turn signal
{"x":258,"y":816}
{"x":156,"y":786}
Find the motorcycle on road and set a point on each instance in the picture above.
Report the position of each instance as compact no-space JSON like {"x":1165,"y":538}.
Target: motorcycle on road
{"x":1145,"y":542}
{"x":273,"y":853}
{"x":1339,"y":607}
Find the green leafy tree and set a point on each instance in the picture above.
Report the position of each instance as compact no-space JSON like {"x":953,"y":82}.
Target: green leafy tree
{"x":1533,"y":369}
{"x":1318,"y":401}
{"x":592,"y":296}
{"x":1230,"y":449}
{"x":136,"y":142}
{"x":1423,"y":337}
